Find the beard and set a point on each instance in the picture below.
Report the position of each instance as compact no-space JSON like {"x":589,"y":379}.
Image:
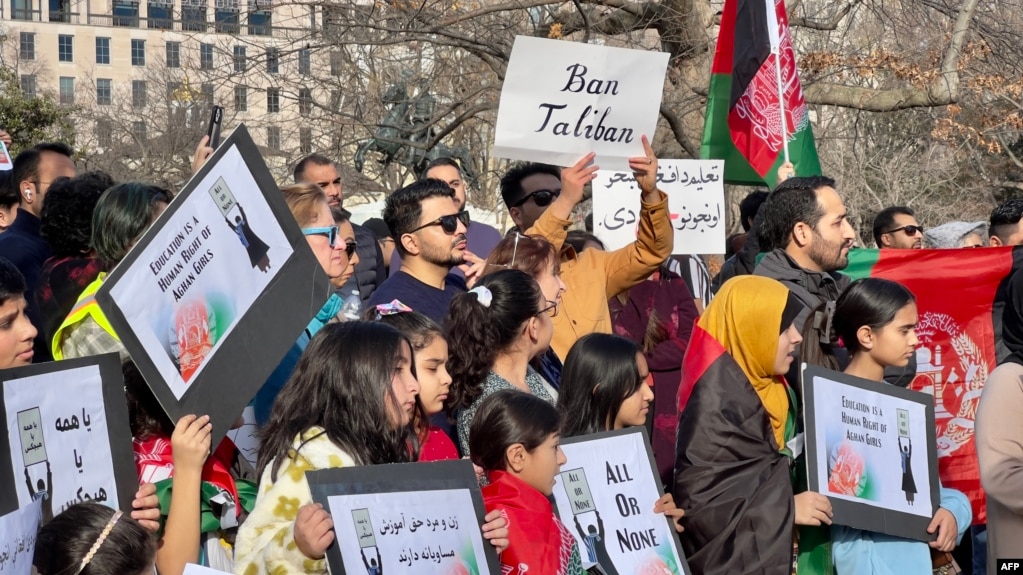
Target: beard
{"x":445,"y":256}
{"x":827,"y":255}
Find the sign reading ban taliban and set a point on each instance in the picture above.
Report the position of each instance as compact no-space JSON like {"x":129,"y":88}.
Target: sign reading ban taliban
{"x":561,"y":100}
{"x":412,"y":518}
{"x":696,"y":202}
{"x":216,"y":291}
{"x":65,"y":437}
{"x":871,"y":449}
{"x":605,"y":496}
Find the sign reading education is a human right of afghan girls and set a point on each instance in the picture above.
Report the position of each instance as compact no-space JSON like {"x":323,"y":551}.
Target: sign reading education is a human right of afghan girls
{"x":870,"y":448}
{"x":560,"y":100}
{"x":605,"y":495}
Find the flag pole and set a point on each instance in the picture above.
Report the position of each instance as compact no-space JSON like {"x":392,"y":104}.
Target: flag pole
{"x":774,"y":36}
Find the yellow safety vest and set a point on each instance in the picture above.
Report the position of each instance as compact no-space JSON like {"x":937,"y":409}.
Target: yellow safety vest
{"x":86,"y":306}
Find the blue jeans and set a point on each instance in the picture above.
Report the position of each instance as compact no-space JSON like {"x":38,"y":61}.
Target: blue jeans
{"x":978,"y":534}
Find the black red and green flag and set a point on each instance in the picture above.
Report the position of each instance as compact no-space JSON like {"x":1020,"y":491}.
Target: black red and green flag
{"x":960,"y":296}
{"x":744,"y":124}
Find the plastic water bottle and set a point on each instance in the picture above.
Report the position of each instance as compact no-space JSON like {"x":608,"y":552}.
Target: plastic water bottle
{"x":352,"y":306}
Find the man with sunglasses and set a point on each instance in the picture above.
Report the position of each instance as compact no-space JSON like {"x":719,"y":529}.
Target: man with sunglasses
{"x":370,"y":271}
{"x":896,"y":227}
{"x":541,"y":199}
{"x":429,"y":230}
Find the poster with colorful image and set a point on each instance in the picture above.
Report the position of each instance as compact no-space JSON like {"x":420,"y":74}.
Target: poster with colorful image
{"x":418,"y":518}
{"x":210,"y":299}
{"x":66,"y":437}
{"x":605,"y":496}
{"x":871,"y":450}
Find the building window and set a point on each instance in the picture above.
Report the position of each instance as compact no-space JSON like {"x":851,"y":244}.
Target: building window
{"x":66,"y":48}
{"x":104,"y":91}
{"x":173,"y":54}
{"x":67,"y":90}
{"x":102,"y":50}
{"x":28,"y":85}
{"x":193,"y":16}
{"x":273,"y":60}
{"x":239,"y":59}
{"x":241,"y":98}
{"x":104,"y":133}
{"x":138,"y":93}
{"x":205,"y":56}
{"x":305,"y":61}
{"x":305,"y":101}
{"x":126,"y":13}
{"x":273,"y":100}
{"x":160,"y":15}
{"x":207,"y":93}
{"x":138,"y":52}
{"x":226,"y":17}
{"x":305,"y":140}
{"x":23,"y":10}
{"x":335,"y":63}
{"x":335,"y":100}
{"x":28,"y":46}
{"x":138,"y":131}
{"x":260,"y":18}
{"x":273,"y":137}
{"x":60,"y":11}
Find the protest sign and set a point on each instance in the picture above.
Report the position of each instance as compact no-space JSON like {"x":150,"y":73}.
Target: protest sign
{"x":870,"y":447}
{"x":421,"y":518}
{"x":216,"y":291}
{"x":561,"y":100}
{"x":66,"y":437}
{"x":696,"y":204}
{"x":6,"y":164}
{"x":18,"y":531}
{"x":605,"y":496}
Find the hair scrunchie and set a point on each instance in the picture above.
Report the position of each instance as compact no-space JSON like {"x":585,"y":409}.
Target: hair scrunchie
{"x":483,"y":295}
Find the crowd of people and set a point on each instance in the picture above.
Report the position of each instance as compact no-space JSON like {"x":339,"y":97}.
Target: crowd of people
{"x":490,"y":346}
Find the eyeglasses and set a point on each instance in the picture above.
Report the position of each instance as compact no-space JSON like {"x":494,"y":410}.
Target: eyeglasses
{"x":448,"y":223}
{"x":910,"y":230}
{"x":551,"y":310}
{"x":350,"y":248}
{"x":542,"y":198}
{"x":330,"y":232}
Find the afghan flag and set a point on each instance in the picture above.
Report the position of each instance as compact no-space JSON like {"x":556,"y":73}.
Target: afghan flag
{"x":960,"y":296}
{"x":744,"y":121}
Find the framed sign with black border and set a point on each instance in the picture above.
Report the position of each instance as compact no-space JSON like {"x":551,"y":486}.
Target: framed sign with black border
{"x":66,"y":437}
{"x":605,"y":496}
{"x":217,"y":290}
{"x":421,"y":518}
{"x":871,"y":449}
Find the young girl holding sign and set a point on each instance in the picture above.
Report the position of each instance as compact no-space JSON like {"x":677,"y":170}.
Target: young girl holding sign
{"x":431,"y":357}
{"x":349,"y":402}
{"x":876,"y":320}
{"x":93,"y":539}
{"x":514,"y":438}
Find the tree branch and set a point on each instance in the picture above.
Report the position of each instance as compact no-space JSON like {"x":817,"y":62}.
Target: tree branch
{"x":832,"y":24}
{"x":678,"y":130}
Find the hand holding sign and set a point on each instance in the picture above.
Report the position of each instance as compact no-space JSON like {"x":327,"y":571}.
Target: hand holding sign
{"x":645,"y":170}
{"x":191,"y":443}
{"x":812,"y":509}
{"x":314,"y":530}
{"x":495,"y":530}
{"x":944,"y":525}
{"x":666,"y":505}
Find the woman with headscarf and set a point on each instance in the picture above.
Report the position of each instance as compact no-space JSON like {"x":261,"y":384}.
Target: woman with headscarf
{"x":999,"y":437}
{"x":733,"y":455}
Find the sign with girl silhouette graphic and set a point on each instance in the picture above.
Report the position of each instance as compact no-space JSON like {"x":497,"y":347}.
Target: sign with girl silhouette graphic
{"x":871,"y":449}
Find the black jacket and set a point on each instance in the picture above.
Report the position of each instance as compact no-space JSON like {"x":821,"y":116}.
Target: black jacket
{"x":370,"y":271}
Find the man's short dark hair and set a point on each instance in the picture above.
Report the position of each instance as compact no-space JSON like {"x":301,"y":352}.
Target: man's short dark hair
{"x":1004,"y":217}
{"x":444,"y":161}
{"x":310,"y":160}
{"x":403,"y":208}
{"x":26,"y":165}
{"x":884,"y":221}
{"x":793,"y":201}
{"x":12,"y":283}
{"x":511,"y":183}
{"x":749,"y":206}
{"x":67,"y":212}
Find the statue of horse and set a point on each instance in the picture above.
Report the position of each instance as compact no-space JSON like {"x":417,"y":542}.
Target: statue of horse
{"x":393,"y":128}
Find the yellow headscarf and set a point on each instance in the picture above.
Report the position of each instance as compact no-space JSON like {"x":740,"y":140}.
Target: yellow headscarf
{"x":745,"y":318}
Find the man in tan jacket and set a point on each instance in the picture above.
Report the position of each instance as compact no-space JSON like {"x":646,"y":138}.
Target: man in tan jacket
{"x":540,"y":199}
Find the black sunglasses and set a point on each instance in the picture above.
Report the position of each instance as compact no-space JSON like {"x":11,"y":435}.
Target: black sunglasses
{"x":350,"y":248}
{"x":542,"y":198}
{"x":448,"y":223}
{"x":910,"y":230}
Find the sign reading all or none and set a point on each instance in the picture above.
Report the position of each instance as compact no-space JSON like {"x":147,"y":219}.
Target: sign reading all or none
{"x":696,"y":203}
{"x":561,"y":100}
